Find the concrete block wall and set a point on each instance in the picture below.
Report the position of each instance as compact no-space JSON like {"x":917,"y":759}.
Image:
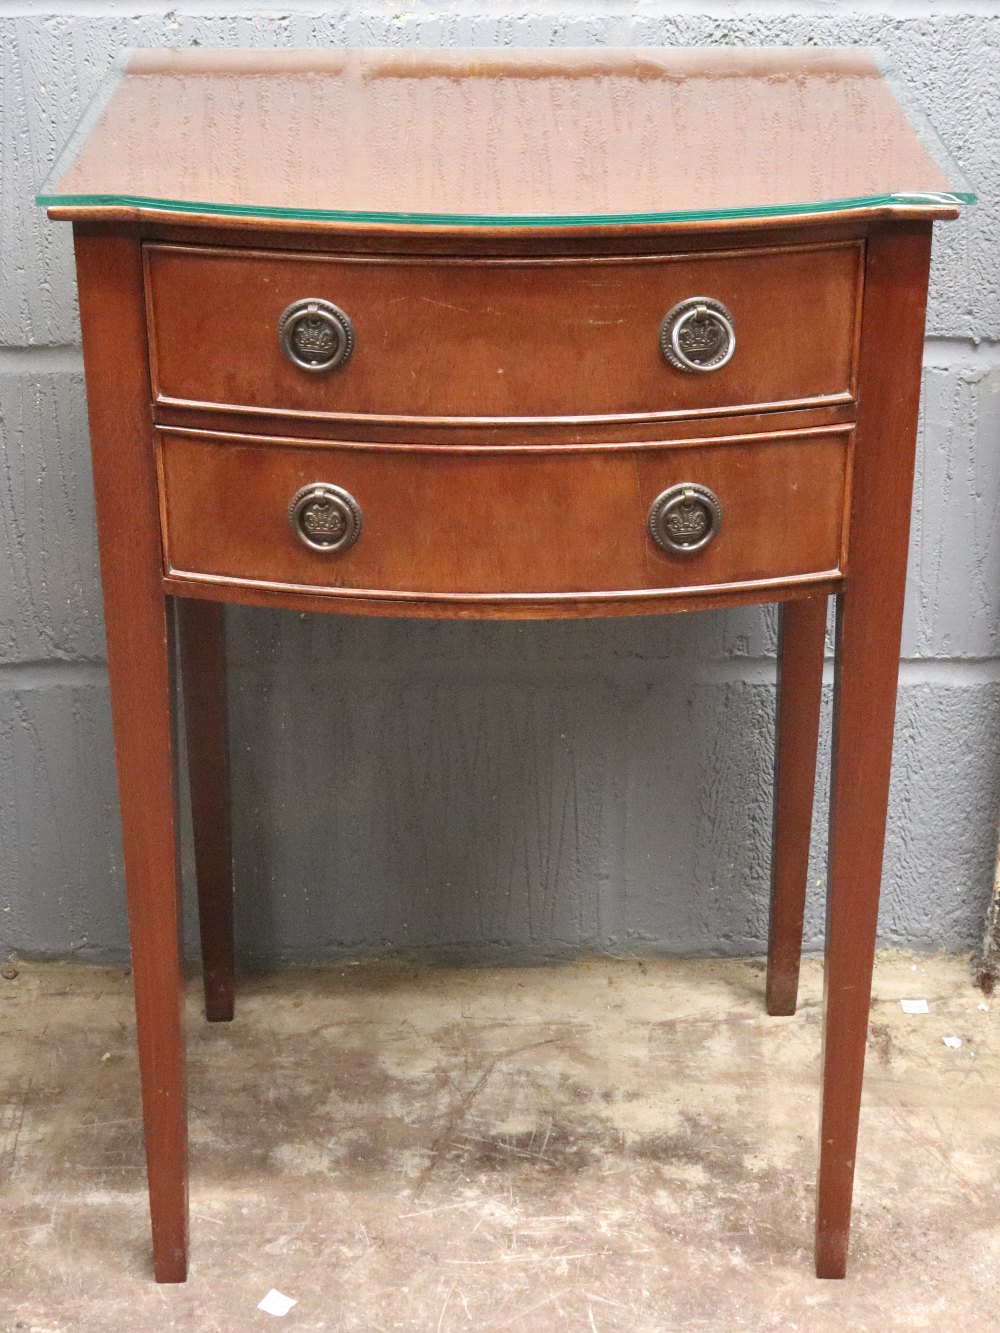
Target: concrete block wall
{"x":494,"y":790}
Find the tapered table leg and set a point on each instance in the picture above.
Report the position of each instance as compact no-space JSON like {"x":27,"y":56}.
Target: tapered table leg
{"x":138,"y":625}
{"x":201,"y":628}
{"x":801,"y":643}
{"x":141,"y":690}
{"x":869,"y":622}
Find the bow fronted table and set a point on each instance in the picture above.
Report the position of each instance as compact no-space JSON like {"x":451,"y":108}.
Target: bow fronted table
{"x":501,"y":335}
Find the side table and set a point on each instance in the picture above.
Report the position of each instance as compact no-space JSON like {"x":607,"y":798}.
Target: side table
{"x":501,"y":335}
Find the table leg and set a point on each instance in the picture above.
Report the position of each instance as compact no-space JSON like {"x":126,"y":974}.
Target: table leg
{"x":864,"y":708}
{"x":801,"y":644}
{"x":201,"y":627}
{"x":869,"y":624}
{"x":141,"y":689}
{"x":109,"y":266}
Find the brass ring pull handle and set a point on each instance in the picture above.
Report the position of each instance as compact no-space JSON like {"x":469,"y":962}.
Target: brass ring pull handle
{"x":684,"y":519}
{"x":315,"y":335}
{"x":325,"y":518}
{"x":698,"y":335}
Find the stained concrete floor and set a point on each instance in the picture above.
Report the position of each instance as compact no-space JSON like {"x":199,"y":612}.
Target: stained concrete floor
{"x":599,"y":1146}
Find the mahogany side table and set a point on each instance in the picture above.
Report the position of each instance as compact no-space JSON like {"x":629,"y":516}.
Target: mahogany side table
{"x":501,"y":334}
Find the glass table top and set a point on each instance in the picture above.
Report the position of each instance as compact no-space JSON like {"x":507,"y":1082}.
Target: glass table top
{"x":503,"y":137}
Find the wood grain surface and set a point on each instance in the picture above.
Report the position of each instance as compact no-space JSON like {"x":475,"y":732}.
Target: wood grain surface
{"x":477,"y":524}
{"x":140,"y":660}
{"x":202,"y":642}
{"x":801,"y":643}
{"x":509,"y":339}
{"x":501,"y":134}
{"x":870,"y":617}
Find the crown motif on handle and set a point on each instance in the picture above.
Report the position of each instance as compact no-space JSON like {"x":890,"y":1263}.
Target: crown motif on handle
{"x":313,"y":337}
{"x":684,"y":518}
{"x":703,"y":334}
{"x":323,"y":519}
{"x":698,"y":334}
{"x":688,"y":519}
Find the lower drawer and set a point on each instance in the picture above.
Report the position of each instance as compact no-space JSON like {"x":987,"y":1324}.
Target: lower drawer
{"x":483,"y":522}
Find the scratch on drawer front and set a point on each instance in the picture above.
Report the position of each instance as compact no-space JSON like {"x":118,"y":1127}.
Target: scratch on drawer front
{"x":429,"y":300}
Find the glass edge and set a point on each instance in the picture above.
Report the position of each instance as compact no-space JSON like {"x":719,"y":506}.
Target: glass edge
{"x":908,"y":200}
{"x":89,"y":116}
{"x":924,"y":128}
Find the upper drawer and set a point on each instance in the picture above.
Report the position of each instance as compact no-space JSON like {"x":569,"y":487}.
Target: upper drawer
{"x":531,"y":339}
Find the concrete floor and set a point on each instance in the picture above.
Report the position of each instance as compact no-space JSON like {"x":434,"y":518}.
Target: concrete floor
{"x":601,"y":1146}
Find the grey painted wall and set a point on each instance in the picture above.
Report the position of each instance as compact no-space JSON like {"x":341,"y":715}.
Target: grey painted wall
{"x":497,"y":789}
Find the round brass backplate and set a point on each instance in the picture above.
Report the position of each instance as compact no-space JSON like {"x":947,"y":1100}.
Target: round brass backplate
{"x":325,"y":517}
{"x":698,"y":335}
{"x":684,"y":519}
{"x":315,"y":335}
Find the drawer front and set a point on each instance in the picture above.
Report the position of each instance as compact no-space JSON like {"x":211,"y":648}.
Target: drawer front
{"x":473,"y":340}
{"x":478,"y":523}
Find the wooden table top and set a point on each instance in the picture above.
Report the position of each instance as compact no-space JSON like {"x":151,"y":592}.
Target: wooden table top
{"x":501,"y":137}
